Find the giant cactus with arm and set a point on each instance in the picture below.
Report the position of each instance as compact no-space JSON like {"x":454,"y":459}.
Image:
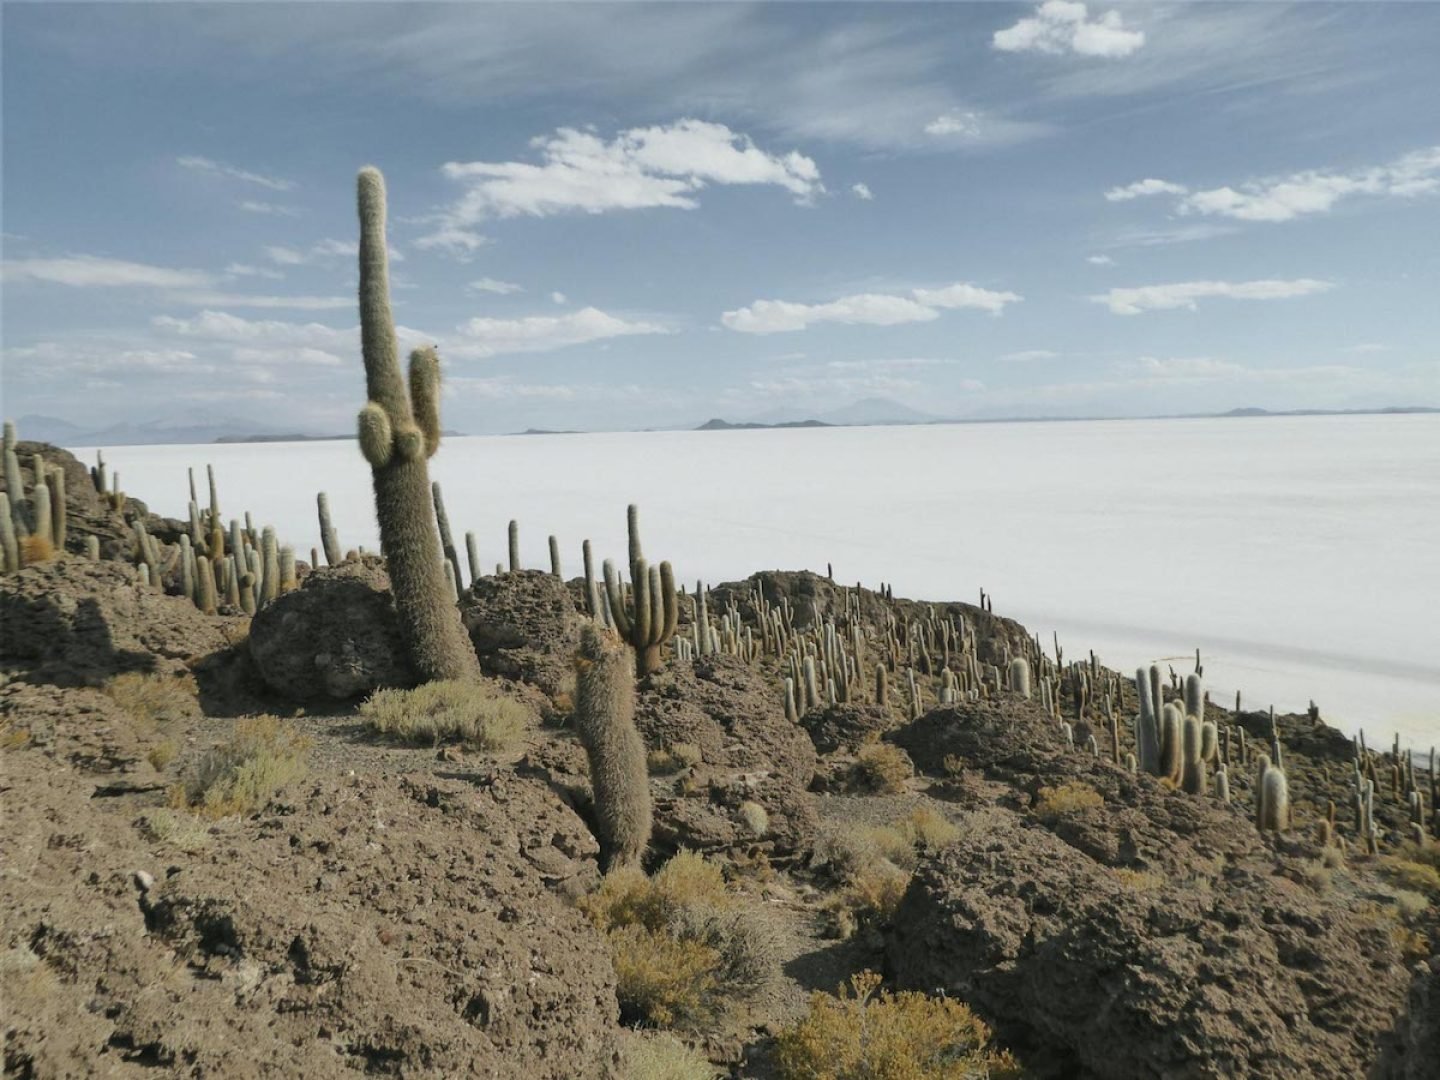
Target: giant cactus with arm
{"x":399,"y":432}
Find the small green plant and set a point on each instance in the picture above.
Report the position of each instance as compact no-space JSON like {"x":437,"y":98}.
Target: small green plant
{"x":867,"y":1033}
{"x":683,"y":945}
{"x":241,"y":774}
{"x":468,"y":711}
{"x":1053,"y":803}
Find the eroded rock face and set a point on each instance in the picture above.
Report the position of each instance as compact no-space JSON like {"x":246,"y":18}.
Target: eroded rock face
{"x":1150,"y":954}
{"x":750,"y":753}
{"x":337,"y":636}
{"x":524,"y":626}
{"x":846,"y":725}
{"x":395,"y":925}
{"x":73,"y":622}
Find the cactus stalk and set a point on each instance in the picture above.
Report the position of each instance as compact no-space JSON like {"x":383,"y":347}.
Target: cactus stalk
{"x":398,"y":434}
{"x":605,"y":722}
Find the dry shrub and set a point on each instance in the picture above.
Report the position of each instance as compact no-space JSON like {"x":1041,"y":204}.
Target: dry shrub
{"x":873,"y":864}
{"x":1139,"y":880}
{"x":36,"y":549}
{"x":11,"y":736}
{"x":178,"y":830}
{"x":867,"y":1033}
{"x":881,"y":769}
{"x":755,"y":818}
{"x":1052,"y":803}
{"x":661,"y":1056}
{"x":1411,"y":869}
{"x":451,"y":709}
{"x":154,"y":701}
{"x":673,"y":759}
{"x":683,"y":945}
{"x":241,"y":774}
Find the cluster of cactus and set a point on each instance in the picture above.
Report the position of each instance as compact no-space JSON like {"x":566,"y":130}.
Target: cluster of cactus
{"x":605,"y":722}
{"x":399,"y":432}
{"x":1374,"y":773}
{"x":32,"y":528}
{"x":646,"y":613}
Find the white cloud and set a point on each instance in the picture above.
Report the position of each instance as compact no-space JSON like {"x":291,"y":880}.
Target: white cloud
{"x":954,"y":123}
{"x":1100,"y":260}
{"x":292,"y":303}
{"x":245,"y":270}
{"x":219,"y":168}
{"x":1172,"y":234}
{"x":283,"y":357}
{"x":541,"y":333}
{"x":557,"y":298}
{"x":323,"y":251}
{"x":862,"y":191}
{"x":1144,"y":187}
{"x":494,"y":285}
{"x":59,"y":360}
{"x":1026,"y":356}
{"x":86,"y":271}
{"x":870,"y":309}
{"x":221,"y":326}
{"x":1185,"y":294}
{"x":1061,"y":26}
{"x":1317,"y":191}
{"x":452,"y":239}
{"x":252,"y":206}
{"x":662,"y":166}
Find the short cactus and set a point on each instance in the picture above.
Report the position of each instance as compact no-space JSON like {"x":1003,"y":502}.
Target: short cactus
{"x":1147,"y":726}
{"x":1274,"y":797}
{"x":328,"y":539}
{"x":1019,"y":677}
{"x":1193,"y":775}
{"x":605,"y":722}
{"x":648,"y":620}
{"x":399,"y":432}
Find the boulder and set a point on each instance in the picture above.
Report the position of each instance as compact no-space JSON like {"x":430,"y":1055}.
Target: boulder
{"x":524,"y":626}
{"x":337,"y":636}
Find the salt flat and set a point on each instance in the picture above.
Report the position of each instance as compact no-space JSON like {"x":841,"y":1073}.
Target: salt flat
{"x":1298,"y":553}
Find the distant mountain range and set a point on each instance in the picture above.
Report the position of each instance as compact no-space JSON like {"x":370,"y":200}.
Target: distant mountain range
{"x":866,"y":412}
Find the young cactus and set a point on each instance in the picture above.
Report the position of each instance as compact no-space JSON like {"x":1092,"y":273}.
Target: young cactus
{"x":605,"y":722}
{"x":1019,"y":677}
{"x":648,"y":621}
{"x":1274,"y":812}
{"x":399,"y":432}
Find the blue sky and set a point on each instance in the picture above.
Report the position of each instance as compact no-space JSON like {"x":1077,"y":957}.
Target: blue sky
{"x":615,"y":216}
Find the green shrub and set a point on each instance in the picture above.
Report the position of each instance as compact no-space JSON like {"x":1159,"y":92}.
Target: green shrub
{"x":683,"y":944}
{"x":472,"y":712}
{"x":241,"y":774}
{"x":867,"y":1033}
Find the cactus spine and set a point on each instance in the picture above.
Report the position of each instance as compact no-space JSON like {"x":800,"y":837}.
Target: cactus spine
{"x":648,"y":621}
{"x":398,"y":434}
{"x":605,"y":722}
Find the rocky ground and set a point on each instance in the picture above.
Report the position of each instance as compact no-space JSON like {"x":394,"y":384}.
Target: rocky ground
{"x":418,"y":911}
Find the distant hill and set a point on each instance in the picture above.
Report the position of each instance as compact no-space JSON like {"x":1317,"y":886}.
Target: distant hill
{"x":200,"y":430}
{"x":725,"y":425}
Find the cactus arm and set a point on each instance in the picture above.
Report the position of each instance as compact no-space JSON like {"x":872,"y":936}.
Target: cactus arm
{"x":425,"y":395}
{"x":383,"y":385}
{"x":375,"y":439}
{"x":617,"y":602}
{"x":643,"y":612}
{"x":672,"y":602}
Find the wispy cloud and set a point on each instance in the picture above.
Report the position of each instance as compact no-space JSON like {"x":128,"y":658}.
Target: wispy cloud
{"x":1313,"y":191}
{"x":219,"y":168}
{"x":483,"y":337}
{"x":1029,"y":356}
{"x":1144,"y":187}
{"x":642,"y":168}
{"x":1065,"y":26}
{"x":862,"y":191}
{"x":208,"y":298}
{"x":1100,"y":260}
{"x":253,"y":206}
{"x":93,"y":271}
{"x":1186,"y":294}
{"x":494,"y":285}
{"x":871,"y":309}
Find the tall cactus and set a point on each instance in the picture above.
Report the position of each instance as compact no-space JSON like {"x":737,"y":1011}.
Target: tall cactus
{"x":1147,"y":727}
{"x":398,"y":434}
{"x":328,"y":540}
{"x":648,"y":621}
{"x":605,"y":722}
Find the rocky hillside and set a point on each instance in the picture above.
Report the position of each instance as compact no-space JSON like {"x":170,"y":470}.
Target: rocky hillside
{"x":240,"y":845}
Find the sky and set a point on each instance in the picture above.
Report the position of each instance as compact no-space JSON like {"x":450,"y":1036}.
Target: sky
{"x":619,"y":216}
